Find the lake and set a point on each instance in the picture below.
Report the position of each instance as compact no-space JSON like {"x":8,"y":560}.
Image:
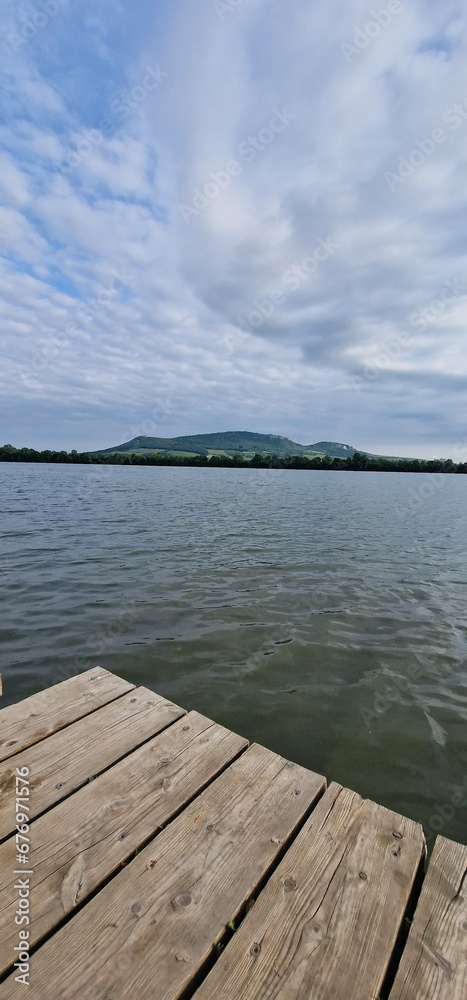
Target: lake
{"x":322,"y":614}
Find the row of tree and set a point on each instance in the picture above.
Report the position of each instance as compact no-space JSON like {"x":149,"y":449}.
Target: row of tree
{"x":358,"y":462}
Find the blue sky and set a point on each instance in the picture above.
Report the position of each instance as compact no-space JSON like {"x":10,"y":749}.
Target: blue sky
{"x":234,"y":215}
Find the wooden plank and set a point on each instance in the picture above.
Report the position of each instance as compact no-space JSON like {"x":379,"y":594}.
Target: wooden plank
{"x":64,"y":761}
{"x":150,"y":929}
{"x":434,"y":961}
{"x":44,"y":713}
{"x":326,"y":923}
{"x":78,"y":844}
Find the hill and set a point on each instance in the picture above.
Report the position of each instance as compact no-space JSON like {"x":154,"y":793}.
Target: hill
{"x":244,"y":443}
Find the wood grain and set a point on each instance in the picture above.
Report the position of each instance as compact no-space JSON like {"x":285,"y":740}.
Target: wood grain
{"x":434,"y":962}
{"x":83,"y":840}
{"x":44,"y":713}
{"x":326,"y":923}
{"x":148,"y":932}
{"x":61,"y":763}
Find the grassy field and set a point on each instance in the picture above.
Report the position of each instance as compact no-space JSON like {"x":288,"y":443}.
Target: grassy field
{"x":150,"y":451}
{"x":246,"y":455}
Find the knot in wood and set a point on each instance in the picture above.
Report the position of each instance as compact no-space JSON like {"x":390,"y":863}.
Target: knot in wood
{"x":255,"y":949}
{"x":363,"y":876}
{"x":397,"y":835}
{"x":290,"y":883}
{"x":185,"y":899}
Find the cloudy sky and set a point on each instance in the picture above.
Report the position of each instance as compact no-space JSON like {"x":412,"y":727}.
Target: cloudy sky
{"x":234,"y":215}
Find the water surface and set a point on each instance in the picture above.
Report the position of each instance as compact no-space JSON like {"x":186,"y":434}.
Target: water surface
{"x":322,"y":614}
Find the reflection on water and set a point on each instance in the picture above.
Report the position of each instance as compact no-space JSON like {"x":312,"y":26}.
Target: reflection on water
{"x":321,"y":614}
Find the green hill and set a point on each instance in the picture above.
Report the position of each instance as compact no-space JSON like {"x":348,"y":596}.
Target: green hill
{"x":244,"y":443}
{"x":333,"y":449}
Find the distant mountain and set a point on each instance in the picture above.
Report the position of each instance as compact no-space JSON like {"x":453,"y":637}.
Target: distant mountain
{"x":334,"y":450}
{"x":230,"y":443}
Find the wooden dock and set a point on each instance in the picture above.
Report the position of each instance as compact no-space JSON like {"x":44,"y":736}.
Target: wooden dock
{"x":167,"y":858}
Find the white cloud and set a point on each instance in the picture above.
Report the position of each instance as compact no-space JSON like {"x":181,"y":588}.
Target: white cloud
{"x":14,"y":187}
{"x":159,"y":305}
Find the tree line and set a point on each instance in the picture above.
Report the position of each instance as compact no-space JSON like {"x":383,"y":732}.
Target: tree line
{"x":357,"y":462}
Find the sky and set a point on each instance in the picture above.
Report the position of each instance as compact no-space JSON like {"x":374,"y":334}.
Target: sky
{"x":239,"y":215}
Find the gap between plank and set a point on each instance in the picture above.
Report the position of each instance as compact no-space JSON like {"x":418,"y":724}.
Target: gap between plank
{"x":144,"y":843}
{"x":247,"y":904}
{"x":66,"y":725}
{"x":404,"y":930}
{"x":104,"y":770}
